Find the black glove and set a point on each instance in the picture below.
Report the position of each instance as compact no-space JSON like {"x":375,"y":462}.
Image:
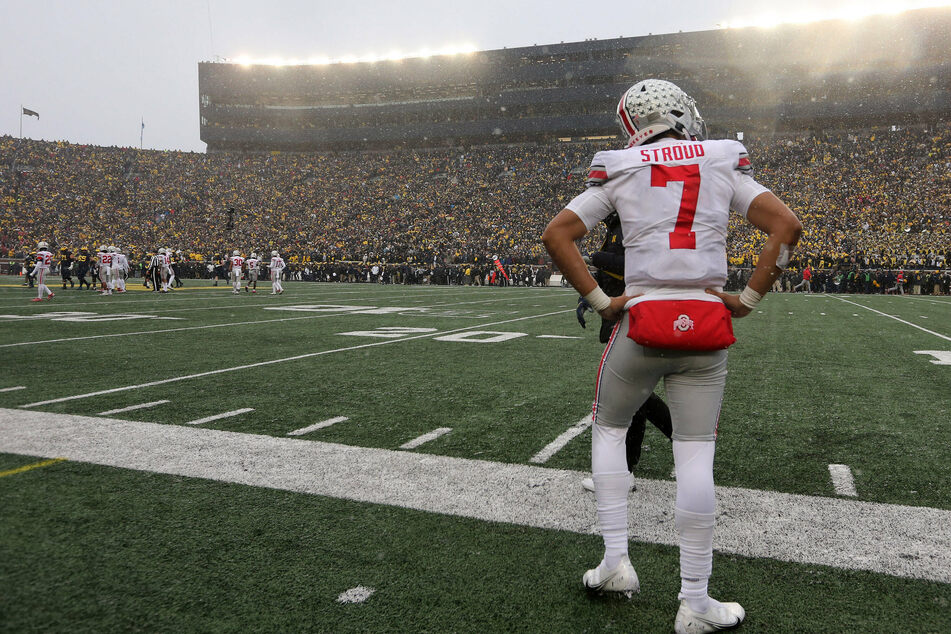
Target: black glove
{"x":583,"y":307}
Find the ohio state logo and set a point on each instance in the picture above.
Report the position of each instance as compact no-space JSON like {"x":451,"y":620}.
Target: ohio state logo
{"x":683,"y":323}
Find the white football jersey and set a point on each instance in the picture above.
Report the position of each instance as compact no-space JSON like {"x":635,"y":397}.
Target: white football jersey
{"x":277,"y":263}
{"x":236,"y":262}
{"x":43,"y":260}
{"x":105,"y":259}
{"x":674,"y":199}
{"x":252,"y":264}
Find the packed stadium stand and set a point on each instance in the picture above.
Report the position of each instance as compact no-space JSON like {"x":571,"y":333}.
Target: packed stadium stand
{"x":469,"y":158}
{"x":884,"y":70}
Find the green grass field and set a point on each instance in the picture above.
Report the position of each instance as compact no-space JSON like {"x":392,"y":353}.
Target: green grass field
{"x":102,"y":544}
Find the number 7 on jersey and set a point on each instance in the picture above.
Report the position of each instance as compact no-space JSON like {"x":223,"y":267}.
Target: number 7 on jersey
{"x":681,"y":237}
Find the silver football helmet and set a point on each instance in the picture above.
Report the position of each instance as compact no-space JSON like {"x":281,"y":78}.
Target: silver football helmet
{"x":42,"y":245}
{"x":654,"y":106}
{"x":274,"y":253}
{"x":235,"y":252}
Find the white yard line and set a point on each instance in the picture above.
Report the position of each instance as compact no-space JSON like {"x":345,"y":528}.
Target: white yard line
{"x":842,"y":480}
{"x":208,"y":419}
{"x":797,"y":528}
{"x":425,"y":438}
{"x":907,"y":323}
{"x":165,"y":330}
{"x":284,"y":360}
{"x":557,"y":337}
{"x":342,"y":312}
{"x":556,"y":445}
{"x":13,"y":389}
{"x":316,"y":426}
{"x":132,"y":408}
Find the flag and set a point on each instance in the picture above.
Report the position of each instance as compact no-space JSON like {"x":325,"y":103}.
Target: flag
{"x":31,"y":113}
{"x":143,"y":124}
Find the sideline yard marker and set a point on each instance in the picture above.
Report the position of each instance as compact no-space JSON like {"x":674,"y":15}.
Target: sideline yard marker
{"x":316,"y":426}
{"x":842,"y":480}
{"x":132,"y":407}
{"x":208,"y":419}
{"x":556,"y":445}
{"x":425,"y":438}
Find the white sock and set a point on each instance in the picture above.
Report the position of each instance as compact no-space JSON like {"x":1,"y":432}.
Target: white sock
{"x":695,"y":519}
{"x":612,"y":484}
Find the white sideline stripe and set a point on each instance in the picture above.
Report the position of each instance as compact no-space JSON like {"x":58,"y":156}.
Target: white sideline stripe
{"x":425,"y":438}
{"x":208,"y":419}
{"x":316,"y":426}
{"x":556,"y":445}
{"x":132,"y":407}
{"x":557,"y":337}
{"x":828,"y":531}
{"x":907,"y":323}
{"x":842,"y":480}
{"x":284,"y":360}
{"x":13,"y":389}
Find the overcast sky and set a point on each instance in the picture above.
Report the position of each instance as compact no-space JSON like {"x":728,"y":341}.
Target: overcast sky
{"x":93,"y":69}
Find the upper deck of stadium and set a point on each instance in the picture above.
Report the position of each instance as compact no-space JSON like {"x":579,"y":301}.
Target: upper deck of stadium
{"x":880,"y":70}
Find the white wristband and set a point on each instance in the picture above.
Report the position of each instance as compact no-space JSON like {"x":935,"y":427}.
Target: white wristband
{"x":750,"y":298}
{"x":598,"y":299}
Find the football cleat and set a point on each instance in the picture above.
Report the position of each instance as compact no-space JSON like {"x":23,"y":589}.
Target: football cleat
{"x":622,"y":578}
{"x":36,"y":299}
{"x":52,"y":295}
{"x":718,"y":617}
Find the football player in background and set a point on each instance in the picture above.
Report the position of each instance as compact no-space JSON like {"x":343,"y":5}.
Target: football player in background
{"x":277,"y":266}
{"x":41,"y":267}
{"x":66,"y":267}
{"x":104,"y":258}
{"x":82,"y":262}
{"x":252,"y":263}
{"x":609,"y":262}
{"x":173,"y":280}
{"x":673,"y":193}
{"x":237,"y":266}
{"x":118,"y":284}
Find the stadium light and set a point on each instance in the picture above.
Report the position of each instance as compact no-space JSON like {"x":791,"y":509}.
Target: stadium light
{"x":370,"y":58}
{"x":849,"y":12}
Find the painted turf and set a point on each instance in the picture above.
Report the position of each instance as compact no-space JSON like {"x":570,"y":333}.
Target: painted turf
{"x":891,"y":539}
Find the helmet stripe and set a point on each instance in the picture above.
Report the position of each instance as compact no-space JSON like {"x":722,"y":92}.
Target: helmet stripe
{"x":625,"y":118}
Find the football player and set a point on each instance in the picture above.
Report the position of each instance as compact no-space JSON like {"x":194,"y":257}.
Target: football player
{"x":237,"y":263}
{"x":167,"y":269}
{"x":118,"y":284}
{"x":673,"y":193}
{"x":252,"y":263}
{"x":66,"y":267}
{"x":42,"y":264}
{"x":277,"y":266}
{"x":82,"y":261}
{"x":104,"y":258}
{"x":609,"y":262}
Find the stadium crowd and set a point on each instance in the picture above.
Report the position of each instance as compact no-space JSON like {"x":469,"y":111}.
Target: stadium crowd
{"x":875,"y":200}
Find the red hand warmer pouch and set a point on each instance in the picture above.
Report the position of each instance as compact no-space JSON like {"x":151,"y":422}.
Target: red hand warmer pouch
{"x":681,"y":324}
